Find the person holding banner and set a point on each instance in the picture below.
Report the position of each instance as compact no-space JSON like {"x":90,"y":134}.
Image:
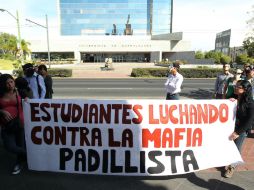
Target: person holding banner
{"x":174,"y":82}
{"x":12,"y":121}
{"x":244,"y":118}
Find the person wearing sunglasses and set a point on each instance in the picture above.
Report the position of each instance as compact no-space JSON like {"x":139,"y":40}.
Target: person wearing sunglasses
{"x":244,"y":119}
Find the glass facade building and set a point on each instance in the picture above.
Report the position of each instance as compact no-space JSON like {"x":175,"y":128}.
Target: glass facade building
{"x":115,"y":17}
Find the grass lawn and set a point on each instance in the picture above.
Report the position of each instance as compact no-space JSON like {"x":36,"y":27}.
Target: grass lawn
{"x":6,"y":64}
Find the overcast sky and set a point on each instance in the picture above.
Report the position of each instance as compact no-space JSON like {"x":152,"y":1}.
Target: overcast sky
{"x":199,"y":20}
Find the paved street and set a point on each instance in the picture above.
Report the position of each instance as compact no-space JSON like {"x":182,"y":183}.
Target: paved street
{"x":128,"y":88}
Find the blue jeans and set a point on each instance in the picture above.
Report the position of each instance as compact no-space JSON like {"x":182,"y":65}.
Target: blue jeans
{"x":172,"y":96}
{"x":15,"y":143}
{"x":239,"y":142}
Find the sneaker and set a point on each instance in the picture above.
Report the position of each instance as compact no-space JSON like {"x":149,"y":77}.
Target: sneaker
{"x":229,"y":172}
{"x":17,"y":169}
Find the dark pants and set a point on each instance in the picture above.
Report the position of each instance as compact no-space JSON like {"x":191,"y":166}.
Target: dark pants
{"x":219,"y":96}
{"x":15,"y":143}
{"x":172,"y":96}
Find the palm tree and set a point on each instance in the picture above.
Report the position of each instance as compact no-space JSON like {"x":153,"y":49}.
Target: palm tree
{"x":24,"y":45}
{"x":8,"y":45}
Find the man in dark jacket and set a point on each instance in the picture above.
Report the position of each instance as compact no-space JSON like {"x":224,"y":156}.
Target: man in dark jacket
{"x":43,"y":71}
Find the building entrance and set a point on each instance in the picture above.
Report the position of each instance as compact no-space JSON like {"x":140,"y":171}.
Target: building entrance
{"x":116,"y":57}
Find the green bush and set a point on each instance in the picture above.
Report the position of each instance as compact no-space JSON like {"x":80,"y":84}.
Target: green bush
{"x":52,"y":72}
{"x":8,"y":56}
{"x":186,"y":72}
{"x":60,"y":72}
{"x":241,"y":59}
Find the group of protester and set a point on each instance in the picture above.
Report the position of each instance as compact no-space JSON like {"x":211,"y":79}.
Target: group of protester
{"x":238,"y":86}
{"x":36,"y":84}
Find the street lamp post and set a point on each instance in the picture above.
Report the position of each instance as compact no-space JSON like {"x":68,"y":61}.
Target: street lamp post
{"x":19,"y":36}
{"x":47,"y":29}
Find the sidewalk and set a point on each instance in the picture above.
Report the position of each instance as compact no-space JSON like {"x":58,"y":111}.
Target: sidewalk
{"x":208,"y":179}
{"x":30,"y":180}
{"x":93,"y":70}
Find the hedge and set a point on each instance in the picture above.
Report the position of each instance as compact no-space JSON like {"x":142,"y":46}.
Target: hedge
{"x":52,"y":72}
{"x":186,"y":72}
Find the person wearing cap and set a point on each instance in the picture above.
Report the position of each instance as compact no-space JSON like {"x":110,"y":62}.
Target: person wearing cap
{"x":230,"y":85}
{"x":174,"y":82}
{"x":35,"y":81}
{"x":221,"y":81}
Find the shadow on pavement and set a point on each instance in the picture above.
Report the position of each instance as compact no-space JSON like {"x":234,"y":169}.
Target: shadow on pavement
{"x":62,"y":181}
{"x":36,"y":180}
{"x":198,"y":94}
{"x":211,"y":184}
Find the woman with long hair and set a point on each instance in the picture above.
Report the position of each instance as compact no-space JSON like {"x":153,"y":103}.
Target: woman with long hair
{"x":244,"y":118}
{"x":12,"y":120}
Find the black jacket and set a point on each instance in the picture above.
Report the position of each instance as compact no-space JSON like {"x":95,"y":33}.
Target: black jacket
{"x":244,"y":119}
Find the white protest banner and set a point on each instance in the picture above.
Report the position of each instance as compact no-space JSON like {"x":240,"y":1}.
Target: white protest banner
{"x":129,"y":137}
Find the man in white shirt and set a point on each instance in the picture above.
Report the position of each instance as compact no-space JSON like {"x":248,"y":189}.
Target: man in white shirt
{"x":174,"y":83}
{"x":35,"y":81}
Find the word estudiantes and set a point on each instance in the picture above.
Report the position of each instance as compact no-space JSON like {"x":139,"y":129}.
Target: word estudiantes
{"x":128,"y":113}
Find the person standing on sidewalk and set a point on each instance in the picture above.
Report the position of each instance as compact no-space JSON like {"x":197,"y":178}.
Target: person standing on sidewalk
{"x":43,"y":71}
{"x":244,"y":118}
{"x":174,"y":82}
{"x":221,"y":82}
{"x":229,"y":87}
{"x":249,"y":76}
{"x":12,"y":121}
{"x":35,"y":81}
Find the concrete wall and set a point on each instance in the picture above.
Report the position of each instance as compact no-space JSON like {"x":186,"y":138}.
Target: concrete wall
{"x":104,"y":44}
{"x":156,"y":56}
{"x":185,"y":55}
{"x":188,"y":56}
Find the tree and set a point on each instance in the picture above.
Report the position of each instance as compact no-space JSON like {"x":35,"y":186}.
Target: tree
{"x":248,"y":45}
{"x":242,"y":59}
{"x":224,"y":59}
{"x":8,"y":45}
{"x":25,"y":48}
{"x":214,"y":55}
{"x":199,"y":55}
